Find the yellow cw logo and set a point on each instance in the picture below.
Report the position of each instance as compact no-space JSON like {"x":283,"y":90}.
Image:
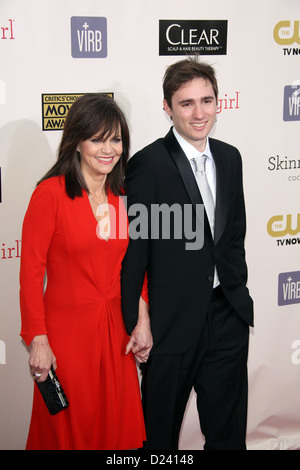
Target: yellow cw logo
{"x":276,"y":226}
{"x":285,"y":35}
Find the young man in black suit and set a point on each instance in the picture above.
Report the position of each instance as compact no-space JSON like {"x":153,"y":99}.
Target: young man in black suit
{"x":199,"y":306}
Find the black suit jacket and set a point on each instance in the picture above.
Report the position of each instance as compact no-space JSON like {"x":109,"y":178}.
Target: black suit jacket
{"x":180,"y":280}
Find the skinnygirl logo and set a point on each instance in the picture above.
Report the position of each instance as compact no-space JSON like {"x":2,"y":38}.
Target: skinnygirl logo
{"x":7,"y":31}
{"x":10,"y":251}
{"x":228,"y":102}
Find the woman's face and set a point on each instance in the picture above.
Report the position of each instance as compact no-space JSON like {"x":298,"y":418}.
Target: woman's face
{"x":100,"y":155}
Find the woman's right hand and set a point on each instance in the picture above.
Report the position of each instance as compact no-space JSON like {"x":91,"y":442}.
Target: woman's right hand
{"x":41,"y":358}
{"x":141,"y":340}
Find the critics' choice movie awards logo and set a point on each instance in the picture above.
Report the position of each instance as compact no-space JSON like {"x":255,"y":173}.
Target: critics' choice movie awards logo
{"x":289,"y":288}
{"x":88,"y":37}
{"x":291,"y":103}
{"x":287,"y":33}
{"x":181,"y":37}
{"x":55,"y":108}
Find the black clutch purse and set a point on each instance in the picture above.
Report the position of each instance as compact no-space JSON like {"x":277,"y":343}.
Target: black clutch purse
{"x":52,"y":393}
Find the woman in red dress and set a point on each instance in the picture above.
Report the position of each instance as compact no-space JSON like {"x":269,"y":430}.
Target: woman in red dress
{"x":75,"y":230}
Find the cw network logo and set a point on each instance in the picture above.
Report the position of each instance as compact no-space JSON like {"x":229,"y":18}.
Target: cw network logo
{"x":286,"y":33}
{"x":88,"y":37}
{"x":280,"y":226}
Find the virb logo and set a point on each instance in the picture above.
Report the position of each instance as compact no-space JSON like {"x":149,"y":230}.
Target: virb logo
{"x":88,"y":37}
{"x":291,"y":103}
{"x":289,"y":288}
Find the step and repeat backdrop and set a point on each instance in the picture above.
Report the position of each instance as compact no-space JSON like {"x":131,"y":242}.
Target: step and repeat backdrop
{"x":52,"y":51}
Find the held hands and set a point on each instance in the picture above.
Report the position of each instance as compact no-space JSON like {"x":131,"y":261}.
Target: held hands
{"x":141,"y":341}
{"x":41,"y":358}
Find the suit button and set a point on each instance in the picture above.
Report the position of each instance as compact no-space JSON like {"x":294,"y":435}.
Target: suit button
{"x":210,"y":278}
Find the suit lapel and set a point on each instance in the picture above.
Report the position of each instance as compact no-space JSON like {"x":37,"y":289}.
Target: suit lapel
{"x":185,"y":170}
{"x":222,"y":172}
{"x":184,"y":167}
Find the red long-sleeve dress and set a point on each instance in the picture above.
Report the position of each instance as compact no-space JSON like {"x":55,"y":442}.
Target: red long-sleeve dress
{"x":80,"y":311}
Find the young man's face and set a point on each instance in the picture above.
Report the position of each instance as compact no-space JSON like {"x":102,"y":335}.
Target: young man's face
{"x":193,"y":111}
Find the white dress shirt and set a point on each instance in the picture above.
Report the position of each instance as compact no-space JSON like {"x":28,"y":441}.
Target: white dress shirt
{"x":191,"y":152}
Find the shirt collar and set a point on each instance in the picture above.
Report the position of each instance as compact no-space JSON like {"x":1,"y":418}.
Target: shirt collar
{"x":189,"y":150}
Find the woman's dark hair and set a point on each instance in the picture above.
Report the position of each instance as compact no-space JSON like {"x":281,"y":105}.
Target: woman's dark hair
{"x":90,"y":114}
